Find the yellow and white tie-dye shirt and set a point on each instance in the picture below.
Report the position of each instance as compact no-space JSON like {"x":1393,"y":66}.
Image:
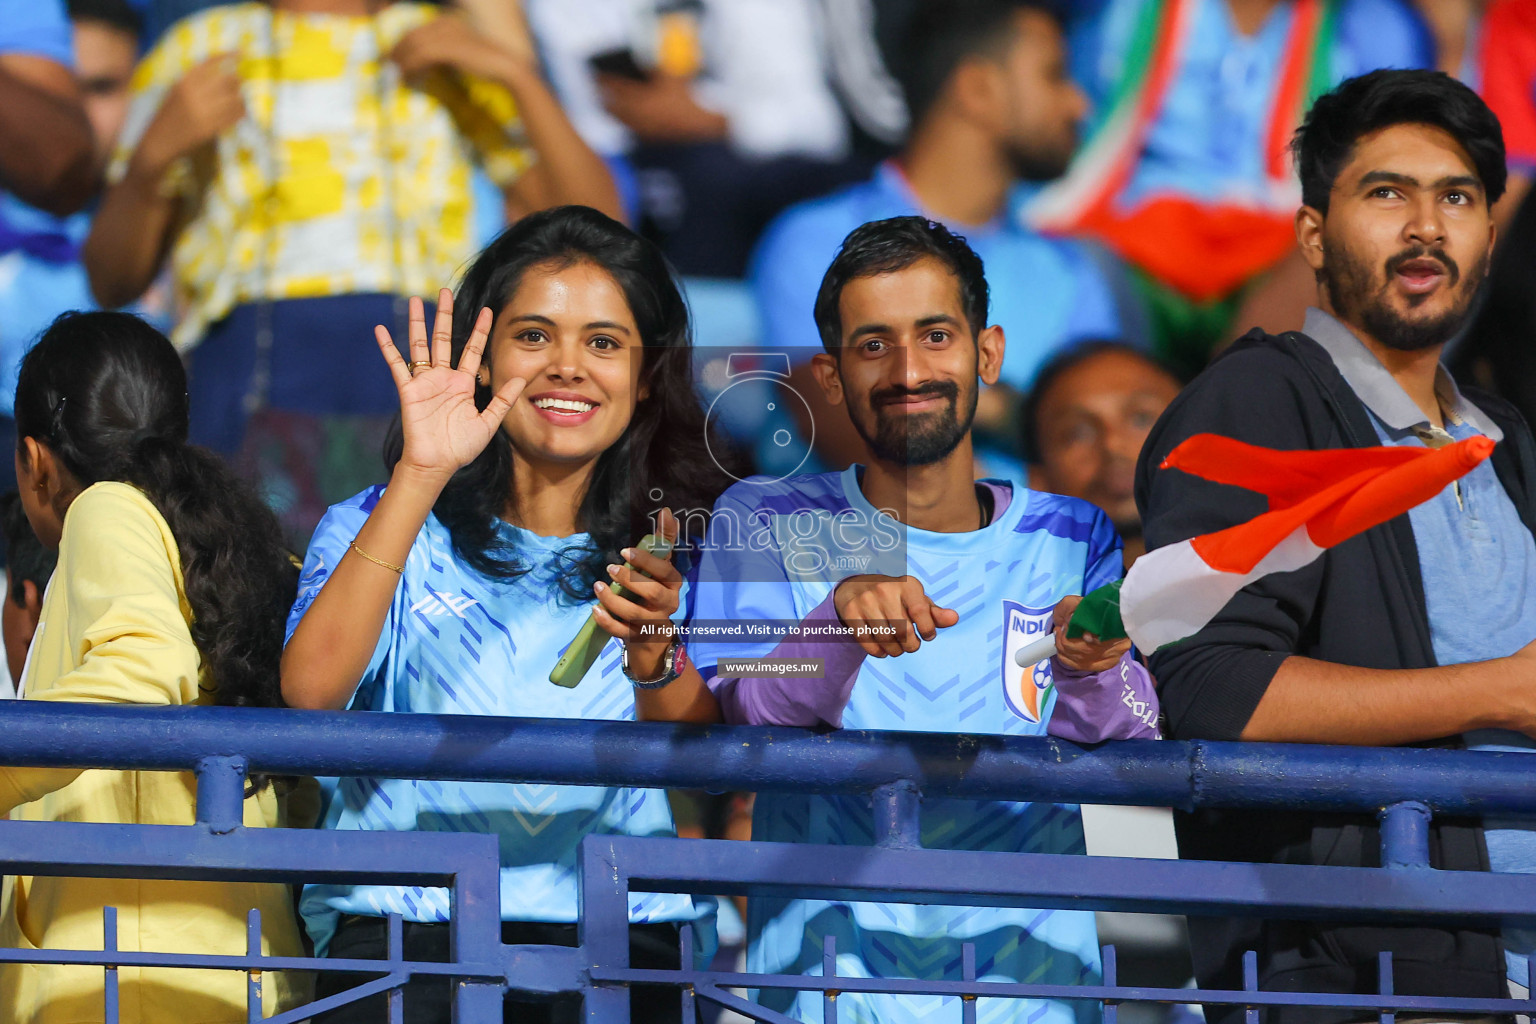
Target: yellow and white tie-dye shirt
{"x":341,"y":179}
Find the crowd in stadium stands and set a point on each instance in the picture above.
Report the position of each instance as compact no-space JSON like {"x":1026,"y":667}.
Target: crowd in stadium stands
{"x":995,"y":258}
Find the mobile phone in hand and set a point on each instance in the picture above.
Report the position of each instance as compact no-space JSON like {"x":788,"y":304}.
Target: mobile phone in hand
{"x":589,"y":643}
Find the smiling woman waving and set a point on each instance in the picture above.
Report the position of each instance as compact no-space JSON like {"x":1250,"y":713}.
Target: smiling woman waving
{"x":546,"y":423}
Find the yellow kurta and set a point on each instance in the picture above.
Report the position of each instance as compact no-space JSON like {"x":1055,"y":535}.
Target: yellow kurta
{"x":341,"y":179}
{"x":114,"y":630}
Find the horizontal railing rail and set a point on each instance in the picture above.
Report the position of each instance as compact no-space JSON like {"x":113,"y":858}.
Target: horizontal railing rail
{"x":1186,"y":776}
{"x":1406,"y":788}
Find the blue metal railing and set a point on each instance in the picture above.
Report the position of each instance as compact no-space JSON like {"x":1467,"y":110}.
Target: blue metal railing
{"x":1405,"y":786}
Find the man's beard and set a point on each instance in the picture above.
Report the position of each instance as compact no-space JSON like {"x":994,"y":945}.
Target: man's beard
{"x":916,"y":439}
{"x":1360,"y":301}
{"x":1035,"y":163}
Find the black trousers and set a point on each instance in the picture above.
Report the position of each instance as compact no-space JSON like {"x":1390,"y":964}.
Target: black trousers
{"x":428,"y":1000}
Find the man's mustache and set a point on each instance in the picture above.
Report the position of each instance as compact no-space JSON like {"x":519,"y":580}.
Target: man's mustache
{"x":1423,"y":252}
{"x":932,"y":389}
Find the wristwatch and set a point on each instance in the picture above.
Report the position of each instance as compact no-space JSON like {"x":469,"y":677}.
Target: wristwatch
{"x":672,"y":665}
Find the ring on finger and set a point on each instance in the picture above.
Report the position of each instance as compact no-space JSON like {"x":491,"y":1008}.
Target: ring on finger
{"x":416,"y":364}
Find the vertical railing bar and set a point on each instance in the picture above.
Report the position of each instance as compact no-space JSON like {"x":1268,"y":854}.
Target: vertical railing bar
{"x":1111,"y":980}
{"x":968,"y":973}
{"x":394,"y":950}
{"x":253,"y":1007}
{"x":394,"y":939}
{"x":602,"y":928}
{"x":474,"y":924}
{"x":898,"y":807}
{"x":1251,"y":984}
{"x":829,"y":970}
{"x":221,"y":793}
{"x":685,"y":961}
{"x":1405,"y":835}
{"x":1384,"y":983}
{"x":109,"y":945}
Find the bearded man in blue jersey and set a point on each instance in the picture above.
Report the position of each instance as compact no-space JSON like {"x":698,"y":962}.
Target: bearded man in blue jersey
{"x":961,"y":574}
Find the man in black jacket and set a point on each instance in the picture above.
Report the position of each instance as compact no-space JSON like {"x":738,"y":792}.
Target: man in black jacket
{"x":1417,"y":631}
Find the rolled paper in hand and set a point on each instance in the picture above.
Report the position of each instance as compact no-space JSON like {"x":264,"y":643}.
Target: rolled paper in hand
{"x":1036,"y":651}
{"x":1097,"y":613}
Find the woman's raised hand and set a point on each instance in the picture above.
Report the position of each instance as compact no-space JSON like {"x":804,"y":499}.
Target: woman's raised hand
{"x":443,"y":429}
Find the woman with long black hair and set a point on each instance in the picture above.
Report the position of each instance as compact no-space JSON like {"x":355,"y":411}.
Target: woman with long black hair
{"x":171,"y":588}
{"x":546,"y":424}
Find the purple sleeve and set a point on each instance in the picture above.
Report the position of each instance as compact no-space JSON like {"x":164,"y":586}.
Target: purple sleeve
{"x":771,"y":700}
{"x":1119,"y":703}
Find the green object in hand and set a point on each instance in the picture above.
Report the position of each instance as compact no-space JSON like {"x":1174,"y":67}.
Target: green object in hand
{"x":589,"y":643}
{"x":1098,"y":613}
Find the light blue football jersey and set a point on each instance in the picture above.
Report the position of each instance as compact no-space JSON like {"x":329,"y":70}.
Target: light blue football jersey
{"x":456,"y":642}
{"x":776,"y":550}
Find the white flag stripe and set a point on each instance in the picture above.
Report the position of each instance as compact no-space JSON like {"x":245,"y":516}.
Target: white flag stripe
{"x":1171,"y":593}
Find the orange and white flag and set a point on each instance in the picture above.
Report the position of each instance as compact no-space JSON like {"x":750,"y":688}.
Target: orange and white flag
{"x":1316,"y":499}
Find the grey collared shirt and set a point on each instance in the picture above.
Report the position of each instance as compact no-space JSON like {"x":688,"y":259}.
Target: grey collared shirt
{"x":1476,"y":558}
{"x":1383,"y":395}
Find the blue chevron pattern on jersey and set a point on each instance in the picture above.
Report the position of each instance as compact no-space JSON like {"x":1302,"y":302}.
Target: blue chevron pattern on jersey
{"x":457,"y":642}
{"x":1003,"y":580}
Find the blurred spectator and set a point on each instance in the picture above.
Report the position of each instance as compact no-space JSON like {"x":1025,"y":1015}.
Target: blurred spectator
{"x":45,"y":140}
{"x":46,"y":171}
{"x":43,"y":277}
{"x":505,"y":24}
{"x":1496,"y":351}
{"x":1509,"y":86}
{"x":106,"y":36}
{"x":28,"y":567}
{"x":305,"y":165}
{"x":863,"y":41}
{"x":1186,"y":174}
{"x":1085,"y":421}
{"x":986,"y":82}
{"x":1456,"y":26}
{"x":725,"y":107}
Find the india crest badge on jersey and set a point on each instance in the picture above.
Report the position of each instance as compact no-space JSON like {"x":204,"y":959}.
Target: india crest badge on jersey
{"x":1027,"y":688}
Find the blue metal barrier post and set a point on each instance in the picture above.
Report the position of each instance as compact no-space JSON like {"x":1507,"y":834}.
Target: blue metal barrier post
{"x":1405,"y":835}
{"x":220,"y":793}
{"x":897,"y":822}
{"x":603,"y":933}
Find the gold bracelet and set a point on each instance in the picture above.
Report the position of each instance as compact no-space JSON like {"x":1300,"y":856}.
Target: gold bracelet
{"x":398,"y":570}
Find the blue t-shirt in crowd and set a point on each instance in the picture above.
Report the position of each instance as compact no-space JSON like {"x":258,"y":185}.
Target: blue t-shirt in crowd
{"x":456,"y":642}
{"x":36,"y":27}
{"x":37,"y":282}
{"x":1478,"y":561}
{"x":776,"y":549}
{"x":40,"y":273}
{"x":1046,"y":293}
{"x":1209,"y":139}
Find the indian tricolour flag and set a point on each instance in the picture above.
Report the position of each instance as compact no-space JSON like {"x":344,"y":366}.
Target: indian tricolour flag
{"x":1316,"y":499}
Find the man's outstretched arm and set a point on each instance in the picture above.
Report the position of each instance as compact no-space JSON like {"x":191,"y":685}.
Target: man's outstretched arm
{"x":46,"y":155}
{"x":1310,"y":701}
